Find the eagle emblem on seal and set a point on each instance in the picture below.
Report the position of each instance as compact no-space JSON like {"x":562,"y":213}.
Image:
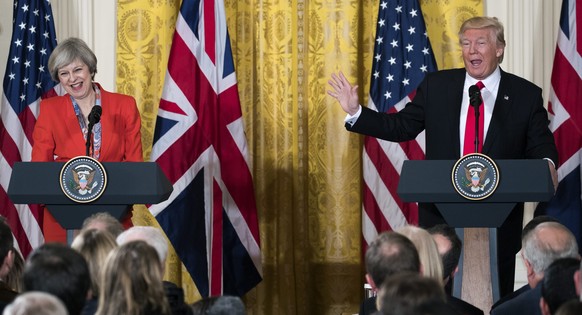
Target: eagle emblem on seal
{"x":476,"y":174}
{"x":84,"y":180}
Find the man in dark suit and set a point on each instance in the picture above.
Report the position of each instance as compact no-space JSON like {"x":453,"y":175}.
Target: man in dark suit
{"x":546,"y":243}
{"x":389,"y":254}
{"x":515,"y":122}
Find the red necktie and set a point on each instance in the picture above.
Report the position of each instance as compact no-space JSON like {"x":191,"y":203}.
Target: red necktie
{"x":469,"y":146}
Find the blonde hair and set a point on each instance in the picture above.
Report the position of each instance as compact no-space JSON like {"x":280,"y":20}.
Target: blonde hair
{"x":131,"y":282}
{"x":430,"y":259}
{"x":480,"y":22}
{"x":94,"y":245}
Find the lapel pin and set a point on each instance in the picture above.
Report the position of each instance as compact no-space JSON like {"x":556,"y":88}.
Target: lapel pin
{"x":505,"y":97}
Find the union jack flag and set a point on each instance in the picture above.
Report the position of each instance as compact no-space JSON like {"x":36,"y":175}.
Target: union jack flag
{"x":402,"y":57}
{"x":25,"y":81}
{"x":566,"y":118}
{"x":199,"y":142}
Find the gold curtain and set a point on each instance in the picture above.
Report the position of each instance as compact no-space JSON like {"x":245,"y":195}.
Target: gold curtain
{"x":306,"y":167}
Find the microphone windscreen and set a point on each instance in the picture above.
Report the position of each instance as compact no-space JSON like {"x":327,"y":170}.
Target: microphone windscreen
{"x":474,"y":96}
{"x":95,"y":114}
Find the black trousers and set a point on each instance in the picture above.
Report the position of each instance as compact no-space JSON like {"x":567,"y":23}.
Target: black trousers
{"x":508,"y":241}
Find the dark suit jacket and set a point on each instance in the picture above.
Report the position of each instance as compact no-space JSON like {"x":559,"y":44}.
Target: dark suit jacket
{"x":518,"y":127}
{"x":527,"y":303}
{"x":518,"y":130}
{"x":368,"y":306}
{"x":511,"y":296}
{"x":462,"y":307}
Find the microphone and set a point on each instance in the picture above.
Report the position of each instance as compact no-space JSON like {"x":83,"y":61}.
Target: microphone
{"x":475,"y":101}
{"x":94,"y":118}
{"x":95,"y":115}
{"x":474,"y":96}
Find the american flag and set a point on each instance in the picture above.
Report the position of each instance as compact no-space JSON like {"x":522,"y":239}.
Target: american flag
{"x":25,"y":81}
{"x":199,"y":142}
{"x":566,"y":118}
{"x":402,"y":57}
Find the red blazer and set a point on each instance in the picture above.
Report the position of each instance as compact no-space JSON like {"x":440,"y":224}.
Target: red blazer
{"x":58,"y":137}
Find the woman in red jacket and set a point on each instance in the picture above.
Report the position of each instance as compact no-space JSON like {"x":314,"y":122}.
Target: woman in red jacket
{"x":61,"y":129}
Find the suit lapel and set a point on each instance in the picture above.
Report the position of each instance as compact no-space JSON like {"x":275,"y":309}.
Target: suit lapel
{"x":501,"y":110}
{"x":455,"y":99}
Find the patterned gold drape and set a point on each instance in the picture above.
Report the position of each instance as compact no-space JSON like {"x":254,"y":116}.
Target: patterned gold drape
{"x":306,"y":167}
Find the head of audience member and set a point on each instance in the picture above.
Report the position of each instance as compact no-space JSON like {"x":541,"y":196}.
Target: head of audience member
{"x":149,"y":234}
{"x":547,"y":242}
{"x":14,"y":277}
{"x":36,"y":303}
{"x":535,"y":221}
{"x":6,"y":248}
{"x":558,"y":284}
{"x":94,"y":245}
{"x":402,"y":293}
{"x":449,"y":246}
{"x":61,"y":271}
{"x":482,"y":44}
{"x":390,"y":253}
{"x":103,"y":221}
{"x":572,"y":307}
{"x":430,"y":260}
{"x":131,"y":282}
{"x":219,"y":305}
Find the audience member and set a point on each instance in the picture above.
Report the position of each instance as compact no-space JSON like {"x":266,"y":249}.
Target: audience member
{"x":535,"y":221}
{"x":58,"y":269}
{"x":558,"y":284}
{"x":94,"y":245}
{"x":36,"y":303}
{"x":430,"y":259}
{"x":14,"y":277}
{"x":449,"y":247}
{"x":390,"y":253}
{"x":543,"y":245}
{"x":219,"y":305}
{"x":131,"y":282}
{"x":149,"y":234}
{"x":572,"y":307}
{"x":7,"y":253}
{"x":103,"y":221}
{"x":155,"y":238}
{"x":402,"y":293}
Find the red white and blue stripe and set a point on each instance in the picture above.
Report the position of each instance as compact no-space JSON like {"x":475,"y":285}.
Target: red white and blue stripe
{"x":199,"y":142}
{"x":402,"y":57}
{"x":26,"y":80}
{"x":565,"y":107}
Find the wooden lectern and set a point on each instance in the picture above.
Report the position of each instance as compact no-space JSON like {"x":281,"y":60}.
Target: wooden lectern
{"x":519,"y":181}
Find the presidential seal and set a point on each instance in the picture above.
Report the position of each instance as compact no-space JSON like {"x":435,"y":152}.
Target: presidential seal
{"x":83,"y":179}
{"x":475,"y":176}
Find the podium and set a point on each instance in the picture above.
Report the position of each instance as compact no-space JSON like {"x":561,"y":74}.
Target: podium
{"x":431,"y":181}
{"x":128,"y":183}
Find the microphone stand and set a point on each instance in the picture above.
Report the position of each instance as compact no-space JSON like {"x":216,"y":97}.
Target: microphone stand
{"x":89,"y":136}
{"x":476,"y":108}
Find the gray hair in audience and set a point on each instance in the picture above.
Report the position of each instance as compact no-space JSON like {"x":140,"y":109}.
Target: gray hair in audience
{"x":149,"y":234}
{"x":36,"y":303}
{"x":103,"y":220}
{"x":219,"y":305}
{"x":541,"y":253}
